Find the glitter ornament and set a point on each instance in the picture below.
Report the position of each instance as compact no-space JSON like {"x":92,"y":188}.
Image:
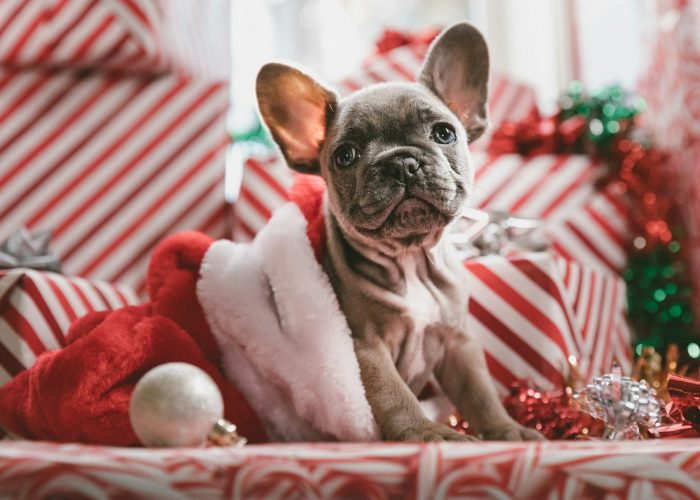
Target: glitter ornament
{"x":178,"y":404}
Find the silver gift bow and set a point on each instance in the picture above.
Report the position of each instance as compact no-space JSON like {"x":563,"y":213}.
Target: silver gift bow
{"x":621,"y":403}
{"x":29,"y":249}
{"x":478,"y":232}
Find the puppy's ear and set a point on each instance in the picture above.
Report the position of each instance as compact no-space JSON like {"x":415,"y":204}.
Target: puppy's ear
{"x":457,"y":71}
{"x":296,"y":109}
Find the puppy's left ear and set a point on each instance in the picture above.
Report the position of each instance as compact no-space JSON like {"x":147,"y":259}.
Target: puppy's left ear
{"x":457,"y":71}
{"x":296,"y":109}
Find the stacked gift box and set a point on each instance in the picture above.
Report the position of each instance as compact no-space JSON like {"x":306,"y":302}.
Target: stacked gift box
{"x":108,"y":138}
{"x":113,"y":136}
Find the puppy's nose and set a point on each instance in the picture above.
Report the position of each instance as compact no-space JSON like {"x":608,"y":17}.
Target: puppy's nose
{"x":404,"y":167}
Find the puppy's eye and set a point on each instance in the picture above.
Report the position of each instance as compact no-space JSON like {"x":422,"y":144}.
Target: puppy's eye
{"x":443,"y":134}
{"x":345,"y":156}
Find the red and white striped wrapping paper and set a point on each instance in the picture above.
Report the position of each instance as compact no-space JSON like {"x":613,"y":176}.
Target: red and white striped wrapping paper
{"x":554,"y":470}
{"x":85,"y":33}
{"x":583,"y":223}
{"x":145,"y":36}
{"x":36,"y":309}
{"x":536,"y":313}
{"x":508,"y":99}
{"x":110,"y":164}
{"x":672,"y":91}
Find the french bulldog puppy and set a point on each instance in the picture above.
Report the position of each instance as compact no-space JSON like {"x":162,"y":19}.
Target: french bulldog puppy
{"x":396,"y":162}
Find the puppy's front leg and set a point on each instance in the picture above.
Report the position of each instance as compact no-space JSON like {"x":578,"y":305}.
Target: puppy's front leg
{"x":394,"y":406}
{"x":464,"y":377}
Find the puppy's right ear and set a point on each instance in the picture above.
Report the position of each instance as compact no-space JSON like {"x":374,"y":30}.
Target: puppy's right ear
{"x":296,"y":109}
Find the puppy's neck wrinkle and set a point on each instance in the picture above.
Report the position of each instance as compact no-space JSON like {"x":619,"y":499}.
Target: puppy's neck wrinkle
{"x":362,"y":259}
{"x":388,"y":271}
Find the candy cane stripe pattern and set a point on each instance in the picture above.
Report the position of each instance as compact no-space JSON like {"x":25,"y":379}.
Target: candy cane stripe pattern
{"x":556,"y":470}
{"x":535,"y":314}
{"x":111,"y":164}
{"x":82,"y":33}
{"x":583,"y":223}
{"x":37,"y":308}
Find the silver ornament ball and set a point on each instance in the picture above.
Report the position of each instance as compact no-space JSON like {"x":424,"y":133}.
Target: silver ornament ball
{"x":175,"y":404}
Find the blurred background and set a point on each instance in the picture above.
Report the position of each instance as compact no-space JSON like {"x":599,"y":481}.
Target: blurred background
{"x":544,"y":43}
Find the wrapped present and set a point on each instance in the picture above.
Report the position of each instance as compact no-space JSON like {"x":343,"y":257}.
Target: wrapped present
{"x":583,"y":222}
{"x":111,"y":164}
{"x":36,"y":309}
{"x":132,"y":35}
{"x":536,"y":314}
{"x":119,"y":34}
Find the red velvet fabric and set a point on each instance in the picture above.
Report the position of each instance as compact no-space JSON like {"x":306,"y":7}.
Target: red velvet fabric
{"x":81,"y":393}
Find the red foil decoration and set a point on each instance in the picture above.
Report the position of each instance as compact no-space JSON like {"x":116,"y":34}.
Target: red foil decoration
{"x":683,"y":411}
{"x":551,"y":413}
{"x":539,"y":135}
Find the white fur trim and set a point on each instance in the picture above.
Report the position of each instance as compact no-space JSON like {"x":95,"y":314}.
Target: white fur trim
{"x":284,"y":340}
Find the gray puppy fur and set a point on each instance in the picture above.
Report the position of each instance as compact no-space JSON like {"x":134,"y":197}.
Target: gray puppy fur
{"x":396,"y":163}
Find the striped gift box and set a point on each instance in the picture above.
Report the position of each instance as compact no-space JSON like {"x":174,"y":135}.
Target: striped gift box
{"x":111,"y":164}
{"x":117,"y":33}
{"x":36,"y":309}
{"x":508,"y":99}
{"x":536,"y":313}
{"x":584,"y":223}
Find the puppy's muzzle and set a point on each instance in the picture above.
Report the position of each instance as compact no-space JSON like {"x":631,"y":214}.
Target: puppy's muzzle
{"x":403,"y":167}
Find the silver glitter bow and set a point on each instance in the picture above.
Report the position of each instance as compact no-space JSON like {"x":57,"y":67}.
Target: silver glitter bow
{"x":477,"y":232}
{"x":29,"y":249}
{"x":621,"y":403}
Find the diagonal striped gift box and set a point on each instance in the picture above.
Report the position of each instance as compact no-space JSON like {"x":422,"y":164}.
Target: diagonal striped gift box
{"x":584,"y":223}
{"x":85,"y":33}
{"x":36,"y":309}
{"x":536,"y":313}
{"x":110,"y":164}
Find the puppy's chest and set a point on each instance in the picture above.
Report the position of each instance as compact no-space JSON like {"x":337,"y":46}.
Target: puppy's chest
{"x":426,"y":319}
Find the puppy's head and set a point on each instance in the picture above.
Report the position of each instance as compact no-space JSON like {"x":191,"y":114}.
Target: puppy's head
{"x":394,"y":156}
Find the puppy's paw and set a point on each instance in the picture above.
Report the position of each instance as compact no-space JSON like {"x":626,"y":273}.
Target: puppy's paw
{"x":430,"y":432}
{"x":512,"y":431}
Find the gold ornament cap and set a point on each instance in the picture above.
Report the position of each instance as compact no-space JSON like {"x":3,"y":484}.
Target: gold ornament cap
{"x":223,"y":433}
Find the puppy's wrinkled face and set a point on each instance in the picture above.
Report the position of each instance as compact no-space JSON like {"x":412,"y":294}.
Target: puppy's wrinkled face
{"x":396,"y":162}
{"x":395,"y":156}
